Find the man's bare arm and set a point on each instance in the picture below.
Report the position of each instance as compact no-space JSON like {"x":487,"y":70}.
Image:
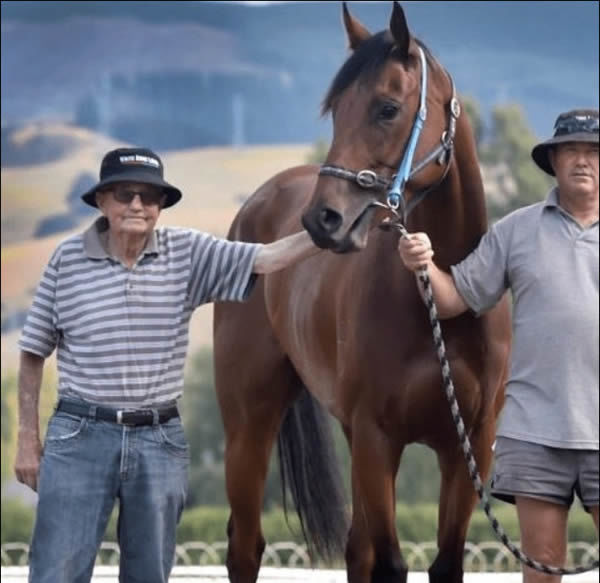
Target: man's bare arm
{"x":416,"y":253}
{"x":29,"y":448}
{"x":284,"y":252}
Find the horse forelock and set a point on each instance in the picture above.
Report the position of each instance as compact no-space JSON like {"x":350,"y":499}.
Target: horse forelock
{"x":365,"y":63}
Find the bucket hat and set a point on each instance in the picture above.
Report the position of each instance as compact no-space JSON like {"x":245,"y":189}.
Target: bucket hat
{"x":132,"y":165}
{"x":577,"y":125}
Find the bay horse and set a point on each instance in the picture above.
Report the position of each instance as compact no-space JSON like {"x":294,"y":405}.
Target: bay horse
{"x":347,"y":333}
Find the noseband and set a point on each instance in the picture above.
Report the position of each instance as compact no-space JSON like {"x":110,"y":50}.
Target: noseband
{"x":370,"y":180}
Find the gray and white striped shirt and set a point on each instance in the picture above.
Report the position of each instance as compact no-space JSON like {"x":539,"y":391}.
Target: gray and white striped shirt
{"x":122,"y":334}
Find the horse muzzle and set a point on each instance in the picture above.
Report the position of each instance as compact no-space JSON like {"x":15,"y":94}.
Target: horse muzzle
{"x":330,"y":229}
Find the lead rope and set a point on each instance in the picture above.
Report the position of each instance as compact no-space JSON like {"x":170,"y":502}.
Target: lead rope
{"x":465,"y":443}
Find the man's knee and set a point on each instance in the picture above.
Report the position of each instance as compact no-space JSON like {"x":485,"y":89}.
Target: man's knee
{"x":543,"y":528}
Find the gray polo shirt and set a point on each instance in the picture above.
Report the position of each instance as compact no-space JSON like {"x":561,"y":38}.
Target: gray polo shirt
{"x":550,"y":264}
{"x":122,"y":334}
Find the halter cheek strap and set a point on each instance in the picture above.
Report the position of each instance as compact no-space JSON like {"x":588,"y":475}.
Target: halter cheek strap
{"x":395,"y":196}
{"x":370,"y":180}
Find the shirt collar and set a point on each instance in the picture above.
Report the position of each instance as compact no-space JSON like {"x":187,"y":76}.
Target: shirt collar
{"x":95,"y":241}
{"x":552,"y":198}
{"x":552,"y":202}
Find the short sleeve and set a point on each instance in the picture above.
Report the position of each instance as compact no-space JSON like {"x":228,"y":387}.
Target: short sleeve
{"x":482,"y":277}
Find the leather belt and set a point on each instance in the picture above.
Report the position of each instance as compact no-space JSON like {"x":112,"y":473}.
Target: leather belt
{"x":133,"y":417}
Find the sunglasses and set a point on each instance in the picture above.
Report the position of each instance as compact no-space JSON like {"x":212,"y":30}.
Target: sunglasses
{"x":576,"y":124}
{"x":126,"y":196}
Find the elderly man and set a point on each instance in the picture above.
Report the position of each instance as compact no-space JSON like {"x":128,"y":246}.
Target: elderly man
{"x":547,"y":255}
{"x":116,"y":303}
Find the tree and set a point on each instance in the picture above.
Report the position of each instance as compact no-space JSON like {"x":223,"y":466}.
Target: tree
{"x":511,"y":143}
{"x":472,"y":110}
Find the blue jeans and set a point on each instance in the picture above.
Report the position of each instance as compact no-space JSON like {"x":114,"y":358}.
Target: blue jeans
{"x":86,"y":465}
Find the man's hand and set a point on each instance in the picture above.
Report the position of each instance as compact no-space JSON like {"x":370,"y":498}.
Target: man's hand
{"x":27,"y":462}
{"x":415,"y":251}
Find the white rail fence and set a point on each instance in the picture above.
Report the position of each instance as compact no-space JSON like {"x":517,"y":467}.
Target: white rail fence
{"x":491,"y":557}
{"x":285,"y":575}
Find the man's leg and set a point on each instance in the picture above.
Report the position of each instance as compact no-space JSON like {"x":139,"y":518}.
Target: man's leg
{"x":77,"y":489}
{"x":543,"y":536}
{"x":153,"y":492}
{"x":588,"y":482}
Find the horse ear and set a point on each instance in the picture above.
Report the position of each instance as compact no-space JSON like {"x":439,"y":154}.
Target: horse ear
{"x":355,"y":31}
{"x":399,"y":30}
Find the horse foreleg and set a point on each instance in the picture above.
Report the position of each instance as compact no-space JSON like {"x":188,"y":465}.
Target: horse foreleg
{"x":255,"y":385}
{"x":246,"y":463}
{"x":457,"y":500}
{"x":373,"y":553}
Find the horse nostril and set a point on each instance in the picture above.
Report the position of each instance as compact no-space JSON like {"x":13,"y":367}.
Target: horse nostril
{"x":329,"y":220}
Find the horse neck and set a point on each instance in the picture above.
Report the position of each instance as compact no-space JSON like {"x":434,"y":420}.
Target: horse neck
{"x":454,"y":215}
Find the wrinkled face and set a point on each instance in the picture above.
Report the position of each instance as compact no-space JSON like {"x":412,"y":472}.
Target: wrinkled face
{"x":131,"y":208}
{"x":576,"y":167}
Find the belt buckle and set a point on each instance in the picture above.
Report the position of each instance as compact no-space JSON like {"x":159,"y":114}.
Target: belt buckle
{"x":122,"y":416}
{"x":133,"y":417}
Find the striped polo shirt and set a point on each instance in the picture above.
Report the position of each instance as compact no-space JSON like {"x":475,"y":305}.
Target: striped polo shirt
{"x":122,"y":333}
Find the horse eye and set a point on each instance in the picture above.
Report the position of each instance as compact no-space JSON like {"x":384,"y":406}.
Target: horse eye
{"x":388,"y":111}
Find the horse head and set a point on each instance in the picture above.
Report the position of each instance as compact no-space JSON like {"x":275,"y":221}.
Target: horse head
{"x":391,"y":103}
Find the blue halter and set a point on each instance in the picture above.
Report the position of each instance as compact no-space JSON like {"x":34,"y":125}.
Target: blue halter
{"x":370,"y":180}
{"x":395,"y":196}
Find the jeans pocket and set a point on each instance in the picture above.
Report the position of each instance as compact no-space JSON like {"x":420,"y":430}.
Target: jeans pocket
{"x":64,"y":428}
{"x":172,"y":437}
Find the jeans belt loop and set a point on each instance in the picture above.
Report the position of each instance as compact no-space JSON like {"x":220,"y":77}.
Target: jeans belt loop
{"x":120,"y":416}
{"x":92,"y":412}
{"x":155,"y":417}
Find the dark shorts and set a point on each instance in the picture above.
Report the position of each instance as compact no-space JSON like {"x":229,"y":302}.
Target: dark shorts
{"x":546,"y":473}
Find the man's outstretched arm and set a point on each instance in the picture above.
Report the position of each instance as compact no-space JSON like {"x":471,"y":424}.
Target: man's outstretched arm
{"x":284,"y":252}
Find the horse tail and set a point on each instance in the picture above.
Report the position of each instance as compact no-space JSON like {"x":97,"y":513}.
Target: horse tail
{"x":309,"y":468}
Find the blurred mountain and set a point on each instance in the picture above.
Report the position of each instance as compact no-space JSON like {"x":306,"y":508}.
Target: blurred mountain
{"x":176,"y":75}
